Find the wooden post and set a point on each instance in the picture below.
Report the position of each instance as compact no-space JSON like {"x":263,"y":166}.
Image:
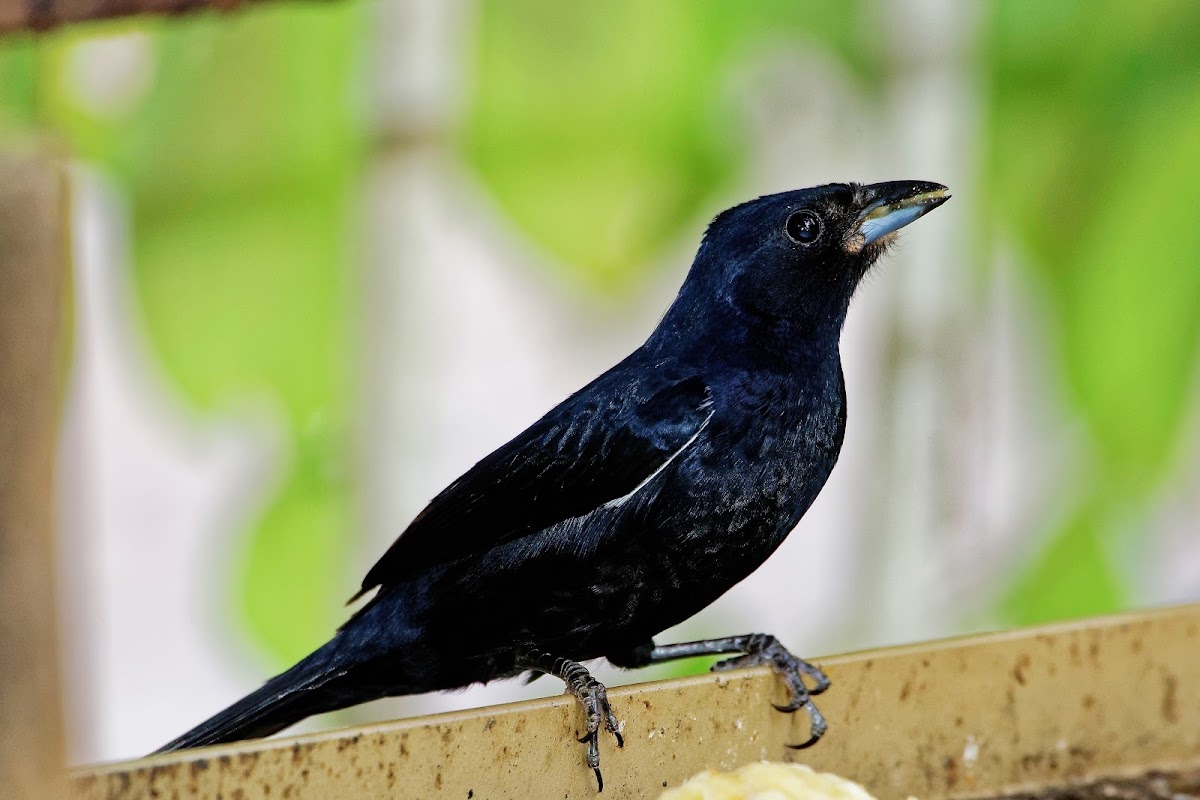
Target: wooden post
{"x":33,"y":256}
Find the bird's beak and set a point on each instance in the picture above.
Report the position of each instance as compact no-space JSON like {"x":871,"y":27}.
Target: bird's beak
{"x":893,"y":205}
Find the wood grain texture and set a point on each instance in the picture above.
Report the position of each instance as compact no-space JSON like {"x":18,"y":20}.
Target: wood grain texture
{"x":33,"y":254}
{"x":969,"y":717}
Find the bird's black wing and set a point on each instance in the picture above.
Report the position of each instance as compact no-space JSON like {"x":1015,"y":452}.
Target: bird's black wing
{"x":596,"y":447}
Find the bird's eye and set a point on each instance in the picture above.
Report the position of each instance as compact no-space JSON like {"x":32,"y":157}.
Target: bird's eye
{"x":803,"y":227}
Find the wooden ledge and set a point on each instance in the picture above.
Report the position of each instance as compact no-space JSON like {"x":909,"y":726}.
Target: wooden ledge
{"x":958,"y":718}
{"x":39,"y":15}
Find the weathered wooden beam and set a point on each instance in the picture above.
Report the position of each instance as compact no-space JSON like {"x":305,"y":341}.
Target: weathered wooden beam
{"x":962,"y":718}
{"x":33,"y":255}
{"x":38,"y":15}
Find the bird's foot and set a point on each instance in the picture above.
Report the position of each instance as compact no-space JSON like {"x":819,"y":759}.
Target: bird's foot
{"x":757,"y":649}
{"x":760,"y":649}
{"x":592,"y":696}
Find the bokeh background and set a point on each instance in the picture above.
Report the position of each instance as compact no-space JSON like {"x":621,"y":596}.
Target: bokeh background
{"x":328,"y":255}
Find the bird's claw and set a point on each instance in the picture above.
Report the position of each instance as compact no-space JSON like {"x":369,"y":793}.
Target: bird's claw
{"x":790,"y":708}
{"x":764,"y":650}
{"x":590,"y":693}
{"x":598,"y":712}
{"x":812,"y":739}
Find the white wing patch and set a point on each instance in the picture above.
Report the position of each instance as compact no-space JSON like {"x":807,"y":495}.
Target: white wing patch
{"x":620,"y":501}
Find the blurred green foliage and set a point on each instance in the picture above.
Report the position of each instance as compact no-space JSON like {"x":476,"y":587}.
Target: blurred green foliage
{"x":18,"y":79}
{"x":601,"y":129}
{"x":1094,"y":166}
{"x":240,"y":165}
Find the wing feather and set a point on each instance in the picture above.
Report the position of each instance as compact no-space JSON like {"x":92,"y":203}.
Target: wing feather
{"x":596,"y":448}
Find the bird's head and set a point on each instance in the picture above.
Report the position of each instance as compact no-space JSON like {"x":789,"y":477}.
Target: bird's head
{"x":799,"y":255}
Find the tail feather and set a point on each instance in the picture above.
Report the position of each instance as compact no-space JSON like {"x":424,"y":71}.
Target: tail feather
{"x":282,"y":701}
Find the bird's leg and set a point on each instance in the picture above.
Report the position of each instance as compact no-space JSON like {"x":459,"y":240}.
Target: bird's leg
{"x":590,"y":693}
{"x":760,"y":649}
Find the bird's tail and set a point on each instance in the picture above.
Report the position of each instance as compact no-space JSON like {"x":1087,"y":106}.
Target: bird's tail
{"x":311,"y":687}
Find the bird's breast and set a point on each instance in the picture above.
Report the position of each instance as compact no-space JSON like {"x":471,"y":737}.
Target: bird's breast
{"x":765,"y":459}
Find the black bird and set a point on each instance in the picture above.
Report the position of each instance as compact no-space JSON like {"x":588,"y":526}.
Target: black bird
{"x":638,"y":500}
